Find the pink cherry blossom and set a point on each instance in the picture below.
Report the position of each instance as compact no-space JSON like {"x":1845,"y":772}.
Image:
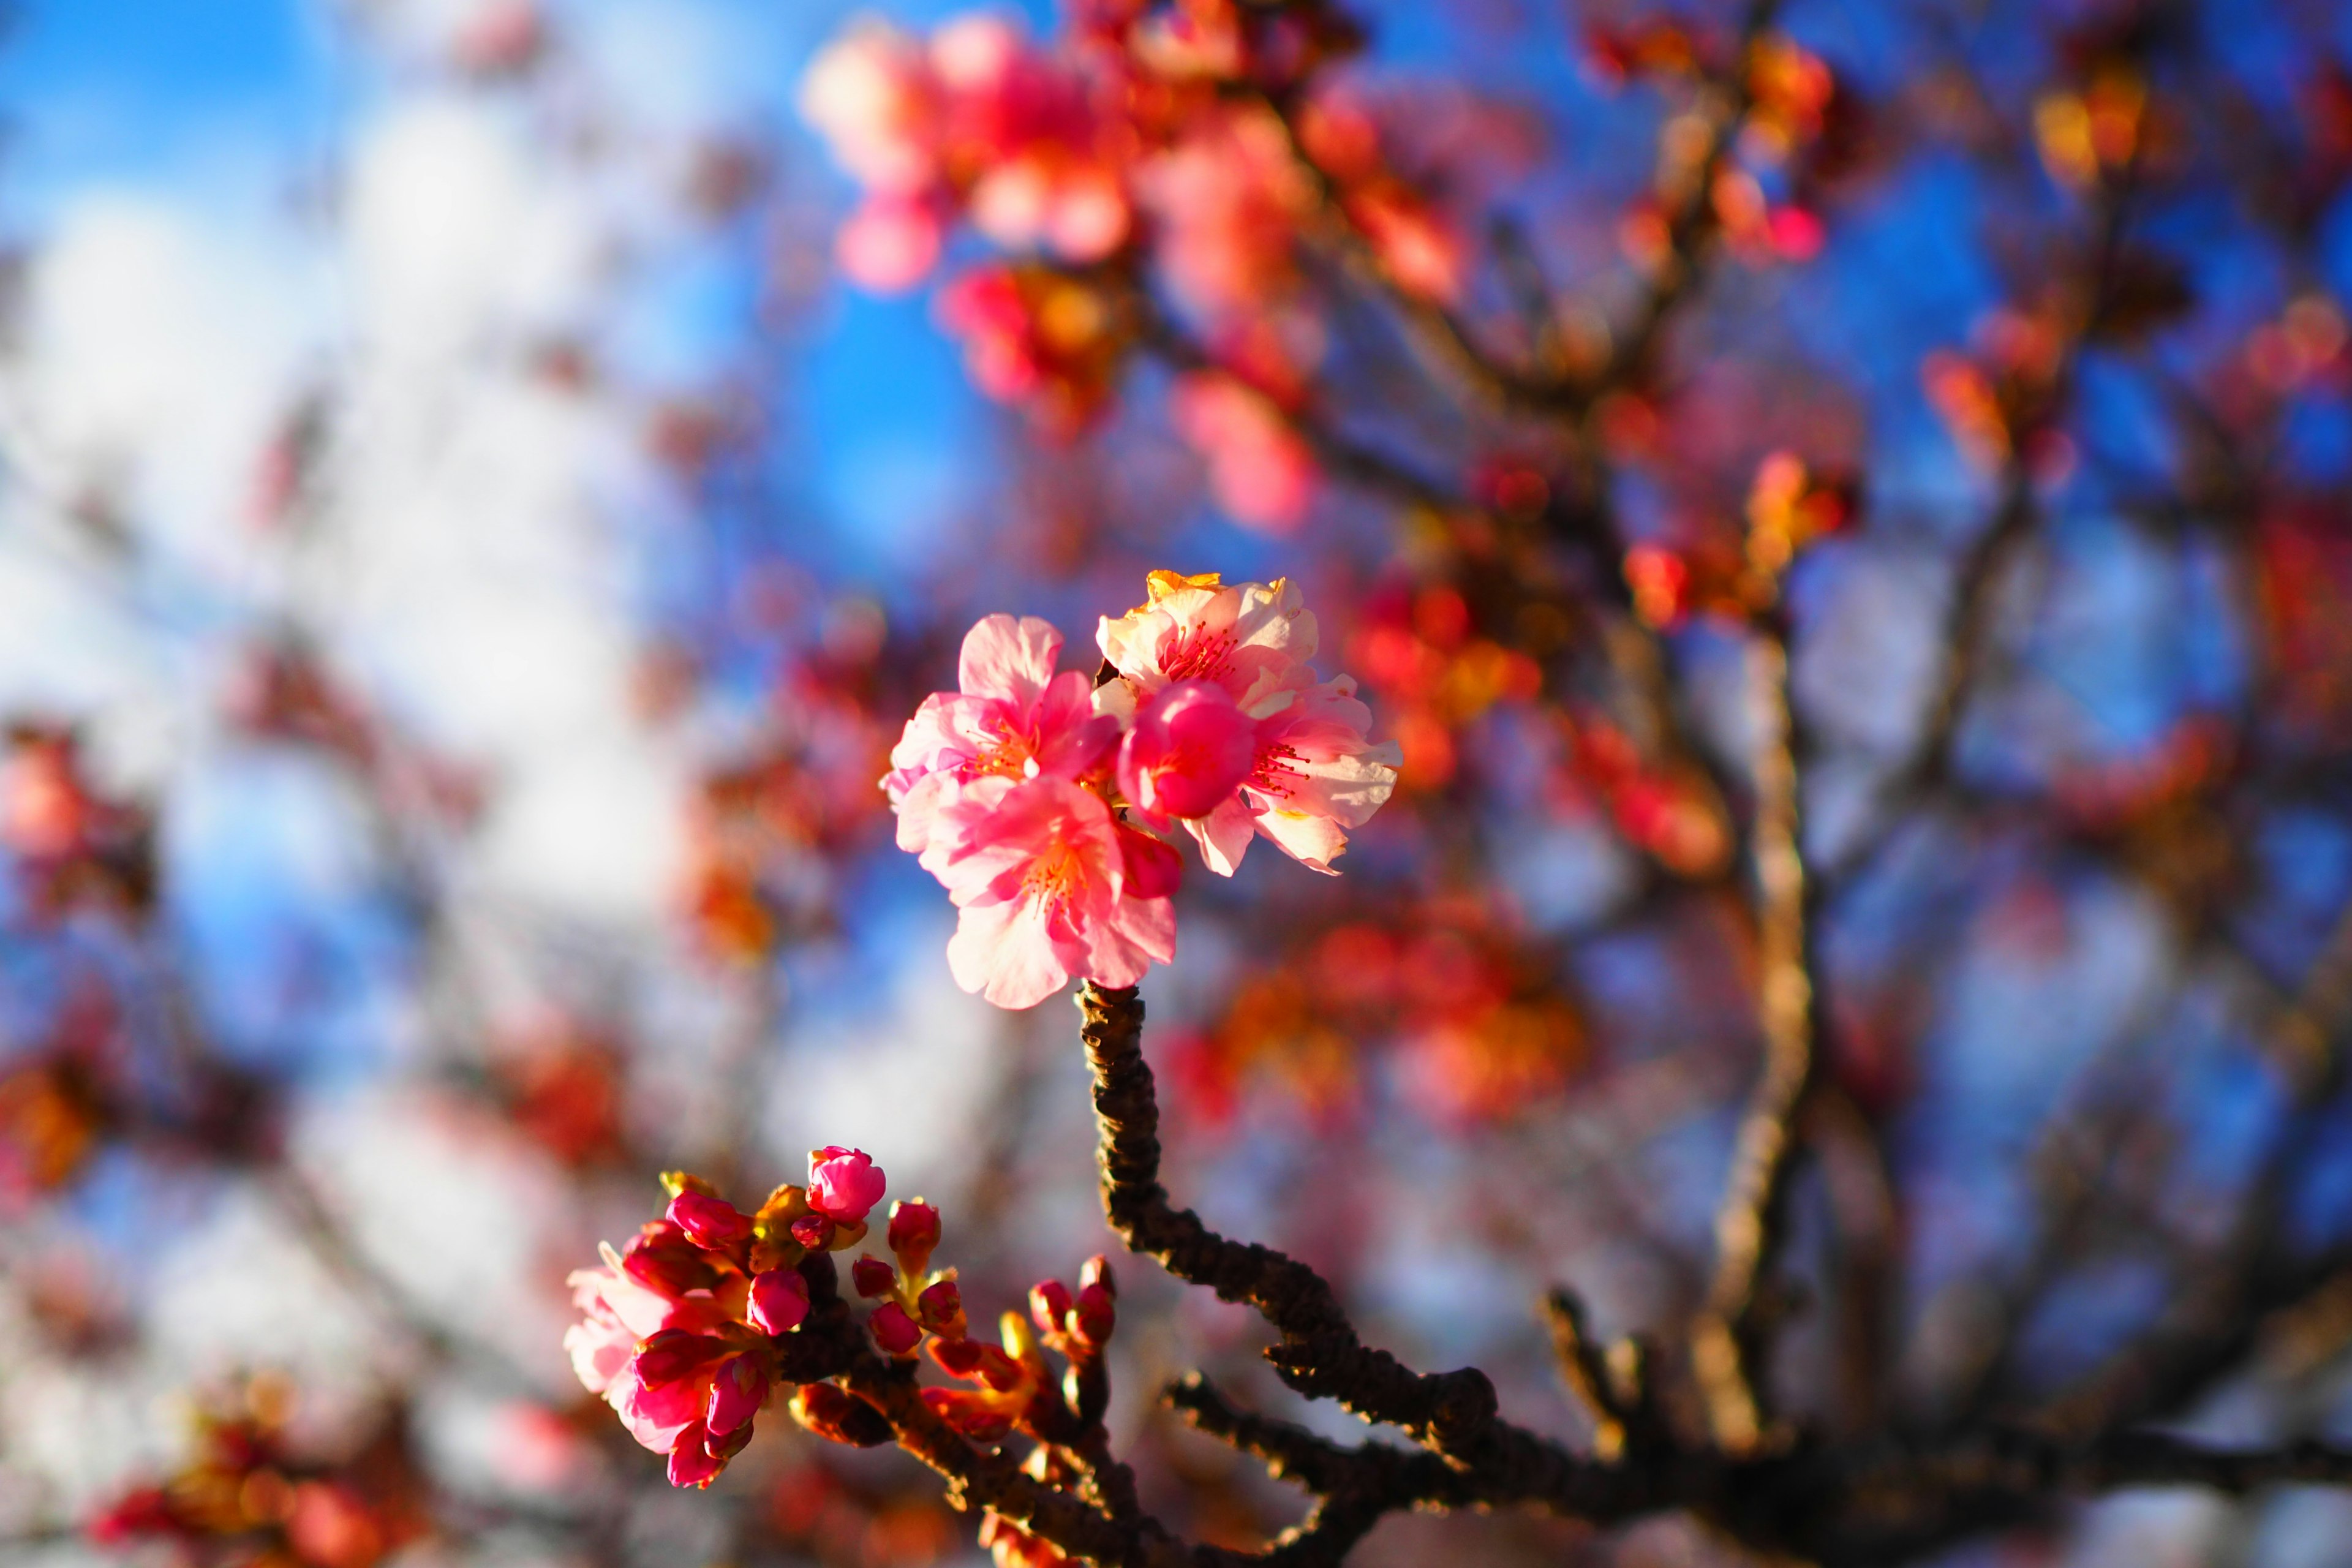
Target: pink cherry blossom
{"x":1262,"y":470}
{"x":1013,"y":718}
{"x":1052,"y":887}
{"x":872,"y":95}
{"x":1313,"y":773}
{"x":1242,"y":637}
{"x":1314,"y":776}
{"x":890,"y":243}
{"x":1191,"y":748}
{"x":843,"y":1185}
{"x":1229,"y":199}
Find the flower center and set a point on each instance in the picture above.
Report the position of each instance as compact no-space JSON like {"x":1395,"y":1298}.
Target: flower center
{"x":1010,"y":754}
{"x":1276,"y":770}
{"x":1198,"y":656}
{"x":1053,"y":879}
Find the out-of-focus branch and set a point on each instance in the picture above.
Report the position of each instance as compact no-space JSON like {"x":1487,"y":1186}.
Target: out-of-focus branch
{"x":1750,"y":1224}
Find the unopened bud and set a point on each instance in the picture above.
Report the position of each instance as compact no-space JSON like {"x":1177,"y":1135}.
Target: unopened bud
{"x":914,"y":1232}
{"x":1049,"y":1306}
{"x":896,"y":1332}
{"x":871,"y":1277}
{"x":941,"y":1307}
{"x":1097,"y":1271}
{"x":712,"y":1222}
{"x":779,"y":1301}
{"x":844,"y":1183}
{"x":957,"y":1357}
{"x":839,"y":1418}
{"x":736,"y":1392}
{"x":1096,"y":1315}
{"x":691,"y":1463}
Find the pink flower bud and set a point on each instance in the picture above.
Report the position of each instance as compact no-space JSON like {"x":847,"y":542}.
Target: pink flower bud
{"x":1096,"y":1270}
{"x":957,"y":1357}
{"x":1191,"y":748}
{"x":1096,"y":1315}
{"x":714,"y":1223}
{"x":737,"y":1393}
{"x":812,"y":1231}
{"x":1049,"y":1306}
{"x":690,"y":1462}
{"x":914,"y":1232}
{"x":894,"y":1332}
{"x":941,"y":1306}
{"x":780,"y":1301}
{"x":872,"y":1277}
{"x":843,"y":1185}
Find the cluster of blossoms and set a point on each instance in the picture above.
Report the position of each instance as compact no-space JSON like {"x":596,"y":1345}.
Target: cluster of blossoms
{"x":688,"y":1330}
{"x":70,"y":845}
{"x":1472,"y":1019}
{"x":1029,"y":793}
{"x":247,"y":1496}
{"x":1194,"y":144}
{"x":680,"y":1331}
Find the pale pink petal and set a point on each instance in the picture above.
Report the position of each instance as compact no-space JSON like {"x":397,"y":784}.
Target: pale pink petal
{"x":1313,"y":841}
{"x":1009,"y":659}
{"x":1002,"y":951}
{"x":1225,"y":836}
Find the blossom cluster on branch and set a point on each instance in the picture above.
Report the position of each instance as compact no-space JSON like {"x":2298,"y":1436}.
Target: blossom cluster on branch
{"x":1028,"y":792}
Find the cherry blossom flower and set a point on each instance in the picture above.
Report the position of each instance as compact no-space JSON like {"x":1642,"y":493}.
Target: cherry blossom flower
{"x":1260,"y":468}
{"x":1313,"y":773}
{"x":1052,"y":887}
{"x":1191,"y":748}
{"x":1013,"y":719}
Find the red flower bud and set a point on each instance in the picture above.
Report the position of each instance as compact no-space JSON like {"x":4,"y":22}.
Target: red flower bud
{"x":737,"y":1393}
{"x":714,"y":1223}
{"x":673,"y":1354}
{"x":1096,"y":1315}
{"x":839,"y":1418}
{"x":1097,"y":1271}
{"x":779,"y":1301}
{"x":812,"y":1231}
{"x":1049,"y":1306}
{"x":664,"y":1261}
{"x":690,"y":1462}
{"x":894,"y":1332}
{"x":872,"y":1277}
{"x":957,"y":1358}
{"x":941,"y":1306}
{"x":914,"y":1232}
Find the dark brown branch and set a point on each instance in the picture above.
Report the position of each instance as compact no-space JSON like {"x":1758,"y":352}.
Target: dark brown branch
{"x":1320,"y":1353}
{"x":1582,"y":1367}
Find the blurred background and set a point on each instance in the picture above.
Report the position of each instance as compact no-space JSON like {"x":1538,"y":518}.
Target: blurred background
{"x":470,"y":536}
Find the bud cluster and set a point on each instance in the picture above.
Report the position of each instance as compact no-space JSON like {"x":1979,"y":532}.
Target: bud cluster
{"x":680,"y":1328}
